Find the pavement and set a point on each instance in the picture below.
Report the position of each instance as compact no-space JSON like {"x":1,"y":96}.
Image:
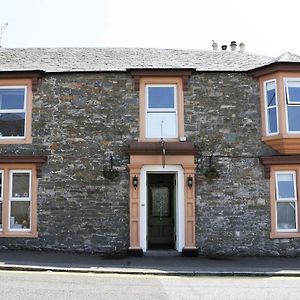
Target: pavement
{"x":156,"y":264}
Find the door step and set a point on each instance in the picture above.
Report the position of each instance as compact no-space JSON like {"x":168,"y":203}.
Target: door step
{"x":162,"y":253}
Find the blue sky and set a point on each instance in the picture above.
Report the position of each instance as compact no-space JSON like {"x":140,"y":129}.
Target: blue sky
{"x":266,"y":27}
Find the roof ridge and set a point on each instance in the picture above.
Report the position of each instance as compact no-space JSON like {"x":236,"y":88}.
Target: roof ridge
{"x":134,"y":48}
{"x":71,"y":59}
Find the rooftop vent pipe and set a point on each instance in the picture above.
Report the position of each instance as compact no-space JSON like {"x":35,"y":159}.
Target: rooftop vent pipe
{"x":233,"y":45}
{"x":224,"y":47}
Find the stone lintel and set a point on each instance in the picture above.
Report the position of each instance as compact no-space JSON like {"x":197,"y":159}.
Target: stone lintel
{"x":183,"y":73}
{"x":32,"y":159}
{"x":268,"y":161}
{"x":154,"y":148}
{"x":33,"y":75}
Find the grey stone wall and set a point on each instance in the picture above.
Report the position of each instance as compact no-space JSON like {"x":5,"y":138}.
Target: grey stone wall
{"x":222,"y":117}
{"x":81,"y":120}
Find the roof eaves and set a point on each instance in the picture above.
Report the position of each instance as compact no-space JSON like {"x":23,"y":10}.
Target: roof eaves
{"x":275,"y":67}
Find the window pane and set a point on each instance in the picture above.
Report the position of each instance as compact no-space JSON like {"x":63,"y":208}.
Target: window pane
{"x":286,"y":215}
{"x":1,"y":201}
{"x":12,"y":98}
{"x":272,"y":118}
{"x":161,"y":97}
{"x":285,"y":185}
{"x":0,"y":185}
{"x":294,"y":91}
{"x":20,"y":185}
{"x":0,"y":215}
{"x":271,"y":95}
{"x":12,"y":124}
{"x":160,"y":202}
{"x":294,"y":118}
{"x":161,"y":125}
{"x":20,"y":214}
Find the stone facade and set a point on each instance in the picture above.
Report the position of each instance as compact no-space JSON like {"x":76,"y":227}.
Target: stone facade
{"x":222,"y":116}
{"x":80,"y":121}
{"x":83,"y":122}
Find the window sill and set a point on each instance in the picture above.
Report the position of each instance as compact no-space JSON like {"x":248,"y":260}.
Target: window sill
{"x":158,"y":140}
{"x":15,"y":234}
{"x":284,"y":235}
{"x":4,"y":141}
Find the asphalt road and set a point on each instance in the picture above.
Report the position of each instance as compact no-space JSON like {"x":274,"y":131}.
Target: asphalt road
{"x":53,"y":285}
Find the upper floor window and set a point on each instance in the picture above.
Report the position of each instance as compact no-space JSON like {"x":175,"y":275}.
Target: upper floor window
{"x":280,"y":107}
{"x":292,"y":94}
{"x":161,"y":111}
{"x":271,"y":107}
{"x":12,"y":112}
{"x":161,"y":108}
{"x":15,"y":111}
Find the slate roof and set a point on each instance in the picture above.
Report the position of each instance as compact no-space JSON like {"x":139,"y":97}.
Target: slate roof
{"x":120,"y":59}
{"x":287,"y":57}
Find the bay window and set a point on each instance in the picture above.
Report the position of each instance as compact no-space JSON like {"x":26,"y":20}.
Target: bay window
{"x":280,"y":107}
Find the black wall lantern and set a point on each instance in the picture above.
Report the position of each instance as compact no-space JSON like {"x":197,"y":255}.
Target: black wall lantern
{"x":190,"y":181}
{"x":135,"y":182}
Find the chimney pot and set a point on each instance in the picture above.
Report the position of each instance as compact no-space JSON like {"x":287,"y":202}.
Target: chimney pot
{"x":242,"y":47}
{"x":233,"y":45}
{"x":215,"y":45}
{"x":224,"y":47}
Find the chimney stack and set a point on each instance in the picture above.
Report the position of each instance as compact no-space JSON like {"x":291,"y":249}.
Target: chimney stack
{"x":233,"y":45}
{"x":242,"y":47}
{"x":215,"y":45}
{"x":224,"y":47}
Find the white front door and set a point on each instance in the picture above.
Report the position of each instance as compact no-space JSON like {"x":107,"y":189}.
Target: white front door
{"x":179,"y":203}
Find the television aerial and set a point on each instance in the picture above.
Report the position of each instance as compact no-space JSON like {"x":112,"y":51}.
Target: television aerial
{"x":2,"y":30}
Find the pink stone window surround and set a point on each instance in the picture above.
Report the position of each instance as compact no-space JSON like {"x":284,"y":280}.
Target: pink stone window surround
{"x":18,"y":200}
